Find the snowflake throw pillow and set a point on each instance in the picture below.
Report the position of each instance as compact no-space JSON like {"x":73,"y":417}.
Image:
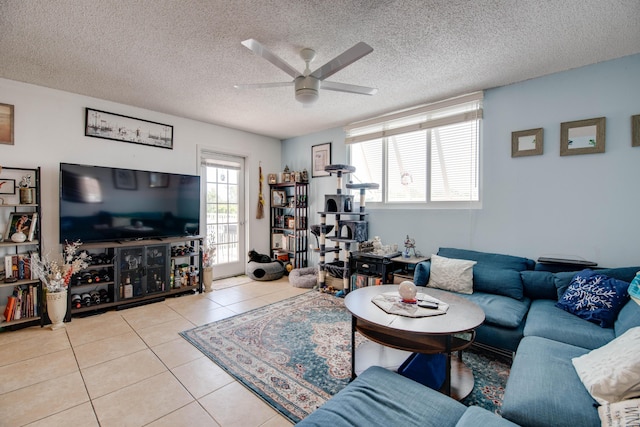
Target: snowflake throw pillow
{"x":595,"y":297}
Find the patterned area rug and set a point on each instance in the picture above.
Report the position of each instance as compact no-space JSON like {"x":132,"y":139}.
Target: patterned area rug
{"x":295,"y":354}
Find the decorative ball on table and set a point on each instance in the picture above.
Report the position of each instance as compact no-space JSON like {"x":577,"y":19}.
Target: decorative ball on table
{"x":408,"y":291}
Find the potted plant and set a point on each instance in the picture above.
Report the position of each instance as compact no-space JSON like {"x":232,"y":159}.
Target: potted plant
{"x":208,"y":258}
{"x":55,"y":276}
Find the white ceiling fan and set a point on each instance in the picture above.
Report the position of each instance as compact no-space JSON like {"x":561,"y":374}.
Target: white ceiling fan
{"x":307,"y":83}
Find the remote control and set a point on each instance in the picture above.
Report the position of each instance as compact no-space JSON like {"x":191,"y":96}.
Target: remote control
{"x":428,"y":304}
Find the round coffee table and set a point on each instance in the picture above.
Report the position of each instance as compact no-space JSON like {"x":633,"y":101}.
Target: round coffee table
{"x":429,"y":335}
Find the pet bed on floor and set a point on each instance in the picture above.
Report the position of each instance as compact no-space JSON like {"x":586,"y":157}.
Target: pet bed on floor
{"x":265,"y":270}
{"x":305,"y":277}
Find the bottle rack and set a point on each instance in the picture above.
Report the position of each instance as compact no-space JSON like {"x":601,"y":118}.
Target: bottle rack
{"x":140,"y":272}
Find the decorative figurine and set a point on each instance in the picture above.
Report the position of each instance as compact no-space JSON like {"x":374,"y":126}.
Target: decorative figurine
{"x":409,"y":247}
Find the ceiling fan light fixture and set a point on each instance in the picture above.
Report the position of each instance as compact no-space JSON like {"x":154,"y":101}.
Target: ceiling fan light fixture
{"x":307,"y":89}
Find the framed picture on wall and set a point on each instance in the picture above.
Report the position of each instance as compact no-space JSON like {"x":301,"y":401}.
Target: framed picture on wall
{"x":526,"y":143}
{"x":635,"y":131}
{"x":582,"y":137}
{"x":101,"y":124}
{"x":320,"y":158}
{"x":6,"y":124}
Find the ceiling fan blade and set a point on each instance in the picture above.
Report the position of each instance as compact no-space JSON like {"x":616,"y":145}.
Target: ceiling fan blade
{"x":343,"y":87}
{"x":260,"y":50}
{"x":339,"y":62}
{"x":262,"y":85}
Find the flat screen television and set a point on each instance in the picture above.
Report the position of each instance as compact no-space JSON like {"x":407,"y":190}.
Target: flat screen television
{"x":100,"y":204}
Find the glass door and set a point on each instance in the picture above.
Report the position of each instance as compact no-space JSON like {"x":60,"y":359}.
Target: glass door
{"x":223,"y":178}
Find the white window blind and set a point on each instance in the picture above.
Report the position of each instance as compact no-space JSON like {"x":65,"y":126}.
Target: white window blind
{"x":426,"y":154}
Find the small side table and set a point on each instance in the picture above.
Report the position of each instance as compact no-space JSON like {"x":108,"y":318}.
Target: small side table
{"x":405,"y":267}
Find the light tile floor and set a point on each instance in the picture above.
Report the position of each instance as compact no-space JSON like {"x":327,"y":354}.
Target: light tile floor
{"x":131,"y":368}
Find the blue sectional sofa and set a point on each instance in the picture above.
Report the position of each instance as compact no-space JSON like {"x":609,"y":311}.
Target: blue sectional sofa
{"x":519,"y":299}
{"x":379,"y":397}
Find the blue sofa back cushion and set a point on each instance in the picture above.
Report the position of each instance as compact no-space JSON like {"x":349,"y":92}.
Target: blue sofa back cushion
{"x":496,"y":280}
{"x":626,"y":274}
{"x":595,"y":297}
{"x":539,"y":284}
{"x":509,"y":262}
{"x":629,"y":317}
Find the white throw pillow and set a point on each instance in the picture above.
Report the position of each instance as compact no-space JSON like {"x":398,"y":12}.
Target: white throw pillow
{"x":611,"y":373}
{"x":620,"y":414}
{"x":451,"y":274}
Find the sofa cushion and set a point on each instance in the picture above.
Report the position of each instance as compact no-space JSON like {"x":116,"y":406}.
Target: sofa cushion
{"x":496,"y":280}
{"x":421,"y":273}
{"x":450,"y":274}
{"x":509,"y":262}
{"x":611,"y":373}
{"x":548,"y":321}
{"x":500,"y":310}
{"x":543,"y":389}
{"x":475,"y":416}
{"x":539,"y":284}
{"x":384,"y":398}
{"x":595,"y":297}
{"x":628,"y":318}
{"x":626,"y":274}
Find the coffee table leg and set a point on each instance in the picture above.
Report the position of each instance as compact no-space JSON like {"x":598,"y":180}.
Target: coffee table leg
{"x":353,"y":348}
{"x":447,"y":375}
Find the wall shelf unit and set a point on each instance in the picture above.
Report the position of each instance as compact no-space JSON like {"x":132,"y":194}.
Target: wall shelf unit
{"x":20,"y":209}
{"x":289,"y":213}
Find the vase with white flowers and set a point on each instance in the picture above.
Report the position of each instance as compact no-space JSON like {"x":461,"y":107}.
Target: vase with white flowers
{"x":208,"y":259}
{"x":55,"y":276}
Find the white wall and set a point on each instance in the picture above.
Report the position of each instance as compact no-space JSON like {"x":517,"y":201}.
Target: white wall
{"x":580,"y":206}
{"x":49,"y":129}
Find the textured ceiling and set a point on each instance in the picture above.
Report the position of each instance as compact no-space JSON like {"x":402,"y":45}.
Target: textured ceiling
{"x":183,"y":57}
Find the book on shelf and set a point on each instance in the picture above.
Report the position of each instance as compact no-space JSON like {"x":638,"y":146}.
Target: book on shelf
{"x":18,"y":266}
{"x":22,"y":304}
{"x":363,"y":280}
{"x":9,"y":309}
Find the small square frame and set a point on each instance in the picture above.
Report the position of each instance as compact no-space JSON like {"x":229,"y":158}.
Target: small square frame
{"x":320,"y":158}
{"x":16,"y":221}
{"x":278,"y":198}
{"x":272,"y":178}
{"x":6,"y":124}
{"x":527,"y":143}
{"x":635,"y":131}
{"x":7,"y":186}
{"x":582,"y":137}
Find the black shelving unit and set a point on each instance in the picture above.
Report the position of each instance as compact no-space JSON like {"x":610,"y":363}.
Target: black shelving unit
{"x":289,"y":213}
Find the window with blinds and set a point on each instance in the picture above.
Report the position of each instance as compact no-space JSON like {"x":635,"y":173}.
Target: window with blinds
{"x":428,"y":154}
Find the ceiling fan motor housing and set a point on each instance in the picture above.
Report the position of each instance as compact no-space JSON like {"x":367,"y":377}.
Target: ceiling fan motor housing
{"x":307,"y":89}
